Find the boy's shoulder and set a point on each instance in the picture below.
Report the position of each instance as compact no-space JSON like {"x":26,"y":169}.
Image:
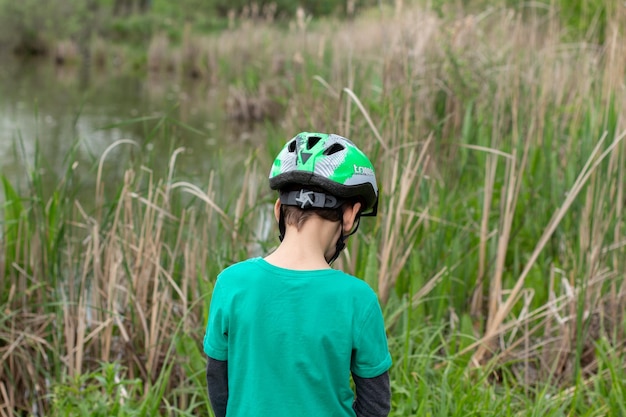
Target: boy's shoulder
{"x":255,"y":267}
{"x":238,"y":267}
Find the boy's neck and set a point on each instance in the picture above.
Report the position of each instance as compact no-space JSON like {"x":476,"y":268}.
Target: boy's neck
{"x":307,"y":248}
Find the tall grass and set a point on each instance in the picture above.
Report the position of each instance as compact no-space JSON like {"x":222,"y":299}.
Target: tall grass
{"x":498,"y":254}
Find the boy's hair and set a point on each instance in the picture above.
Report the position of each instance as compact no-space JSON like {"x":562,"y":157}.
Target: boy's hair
{"x":295,"y":216}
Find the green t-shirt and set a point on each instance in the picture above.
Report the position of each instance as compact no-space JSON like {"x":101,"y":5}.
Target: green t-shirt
{"x":291,"y":339}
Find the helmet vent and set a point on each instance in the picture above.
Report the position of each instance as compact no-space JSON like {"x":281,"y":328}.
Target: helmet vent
{"x":334,"y":148}
{"x":292,"y":146}
{"x":312,"y":141}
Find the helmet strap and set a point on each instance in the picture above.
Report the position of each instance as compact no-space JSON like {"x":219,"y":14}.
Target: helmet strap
{"x":281,"y":224}
{"x":341,"y":242}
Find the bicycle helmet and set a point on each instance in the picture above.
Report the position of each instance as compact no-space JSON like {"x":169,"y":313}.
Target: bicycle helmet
{"x":311,"y":162}
{"x":329,"y":162}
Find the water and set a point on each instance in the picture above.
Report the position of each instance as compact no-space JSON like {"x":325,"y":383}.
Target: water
{"x":49,"y":110}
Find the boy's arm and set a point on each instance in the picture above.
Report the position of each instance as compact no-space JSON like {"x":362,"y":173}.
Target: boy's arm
{"x":373,"y":396}
{"x":217,"y":383}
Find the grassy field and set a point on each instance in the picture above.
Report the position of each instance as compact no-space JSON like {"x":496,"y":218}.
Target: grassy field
{"x":498,"y":254}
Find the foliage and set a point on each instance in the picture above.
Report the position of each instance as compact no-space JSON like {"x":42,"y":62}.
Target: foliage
{"x":31,"y":26}
{"x":104,"y":392}
{"x":583,"y":19}
{"x":588,"y":18}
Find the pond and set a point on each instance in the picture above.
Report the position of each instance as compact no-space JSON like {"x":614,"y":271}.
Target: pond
{"x":51,"y":111}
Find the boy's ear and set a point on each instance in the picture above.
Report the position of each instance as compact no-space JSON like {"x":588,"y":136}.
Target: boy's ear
{"x":350,"y":214}
{"x":277,"y":209}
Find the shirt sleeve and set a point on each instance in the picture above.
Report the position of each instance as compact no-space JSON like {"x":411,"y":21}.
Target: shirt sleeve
{"x":370,"y":353}
{"x":216,"y":337}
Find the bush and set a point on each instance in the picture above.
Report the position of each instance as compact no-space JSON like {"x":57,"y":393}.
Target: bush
{"x":102,"y":393}
{"x":32,"y":26}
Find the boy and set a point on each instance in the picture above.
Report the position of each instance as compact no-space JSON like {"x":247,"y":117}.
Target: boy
{"x":286,"y":332}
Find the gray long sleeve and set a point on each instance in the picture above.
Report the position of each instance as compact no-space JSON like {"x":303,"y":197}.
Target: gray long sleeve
{"x":217,"y":383}
{"x":373,"y":396}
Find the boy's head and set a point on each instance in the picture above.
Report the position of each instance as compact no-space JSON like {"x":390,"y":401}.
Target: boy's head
{"x":319,"y":174}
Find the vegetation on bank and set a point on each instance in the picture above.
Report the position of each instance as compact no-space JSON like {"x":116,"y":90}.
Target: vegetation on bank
{"x":30,"y":27}
{"x":112,"y":32}
{"x":498,"y":254}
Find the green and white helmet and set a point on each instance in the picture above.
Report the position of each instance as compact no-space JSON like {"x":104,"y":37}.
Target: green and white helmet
{"x":329,"y":162}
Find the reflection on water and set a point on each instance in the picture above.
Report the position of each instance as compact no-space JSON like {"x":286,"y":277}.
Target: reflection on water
{"x":52,"y":110}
